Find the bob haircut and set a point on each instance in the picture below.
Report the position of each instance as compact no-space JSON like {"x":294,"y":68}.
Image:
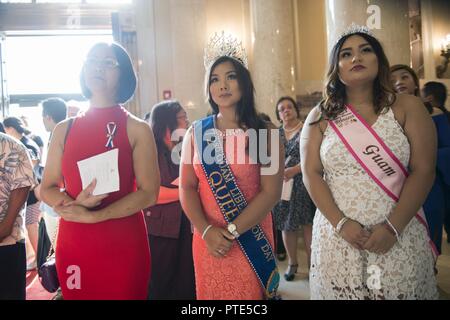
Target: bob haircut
{"x":333,"y":102}
{"x":163,"y":116}
{"x":295,"y":104}
{"x":127,"y":78}
{"x":411,"y":72}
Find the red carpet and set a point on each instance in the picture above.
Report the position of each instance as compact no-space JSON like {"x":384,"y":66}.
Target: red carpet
{"x":34,"y":289}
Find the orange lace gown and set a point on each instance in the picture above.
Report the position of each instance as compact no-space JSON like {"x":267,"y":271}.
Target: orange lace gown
{"x":230,"y":277}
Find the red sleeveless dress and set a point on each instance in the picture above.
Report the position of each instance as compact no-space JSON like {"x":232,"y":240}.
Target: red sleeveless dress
{"x":111,"y":259}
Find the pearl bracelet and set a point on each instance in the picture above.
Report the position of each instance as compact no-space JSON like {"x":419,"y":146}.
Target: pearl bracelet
{"x":205,"y":231}
{"x":340,"y":224}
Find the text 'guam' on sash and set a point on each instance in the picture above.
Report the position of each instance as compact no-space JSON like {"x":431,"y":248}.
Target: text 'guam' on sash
{"x":372,"y":151}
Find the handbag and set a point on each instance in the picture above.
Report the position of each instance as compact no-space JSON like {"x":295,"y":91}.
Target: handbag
{"x":47,"y":273}
{"x":44,"y":244}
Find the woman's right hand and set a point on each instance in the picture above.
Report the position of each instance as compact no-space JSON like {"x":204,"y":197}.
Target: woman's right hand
{"x":218,"y":241}
{"x":86,"y":199}
{"x":355,"y":234}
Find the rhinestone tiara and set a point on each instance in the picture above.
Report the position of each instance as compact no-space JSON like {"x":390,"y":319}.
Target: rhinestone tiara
{"x":355,"y":28}
{"x":221,"y":45}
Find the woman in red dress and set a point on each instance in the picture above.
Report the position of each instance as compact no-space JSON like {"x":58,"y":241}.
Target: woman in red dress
{"x":102,"y":246}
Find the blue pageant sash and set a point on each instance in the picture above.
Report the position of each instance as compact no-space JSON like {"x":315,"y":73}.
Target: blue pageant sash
{"x":232,"y":202}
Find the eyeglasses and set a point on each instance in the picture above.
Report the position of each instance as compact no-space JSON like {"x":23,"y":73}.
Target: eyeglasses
{"x":182,"y":117}
{"x":107,"y":63}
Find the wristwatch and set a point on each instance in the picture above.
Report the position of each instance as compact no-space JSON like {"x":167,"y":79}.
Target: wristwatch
{"x":233,"y":230}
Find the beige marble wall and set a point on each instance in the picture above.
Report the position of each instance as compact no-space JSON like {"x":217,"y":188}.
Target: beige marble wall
{"x":273,"y":67}
{"x":172,"y":35}
{"x":435,"y":26}
{"x":311,"y":46}
{"x":145,"y":31}
{"x":388,"y":20}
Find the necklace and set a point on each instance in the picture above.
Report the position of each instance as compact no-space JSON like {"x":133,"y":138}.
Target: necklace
{"x":293,"y":129}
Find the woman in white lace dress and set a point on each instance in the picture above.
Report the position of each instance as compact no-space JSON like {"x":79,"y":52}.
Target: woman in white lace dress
{"x":355,"y":253}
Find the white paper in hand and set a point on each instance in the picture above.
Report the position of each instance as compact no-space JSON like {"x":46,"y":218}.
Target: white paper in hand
{"x":105,"y":168}
{"x":287,"y":190}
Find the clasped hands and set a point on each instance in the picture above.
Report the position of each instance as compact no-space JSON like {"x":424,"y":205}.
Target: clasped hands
{"x":218,"y":241}
{"x":78,"y":210}
{"x":377,"y":240}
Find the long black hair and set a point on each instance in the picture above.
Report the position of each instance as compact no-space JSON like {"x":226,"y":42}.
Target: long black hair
{"x":247,"y":116}
{"x":334,"y":99}
{"x":17,"y":124}
{"x":163,"y":116}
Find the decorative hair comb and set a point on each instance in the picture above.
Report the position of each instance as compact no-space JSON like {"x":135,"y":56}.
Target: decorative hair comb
{"x":221,"y":45}
{"x":355,"y":28}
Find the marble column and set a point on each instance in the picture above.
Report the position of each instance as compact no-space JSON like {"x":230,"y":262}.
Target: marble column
{"x":273,"y":57}
{"x":388,"y":20}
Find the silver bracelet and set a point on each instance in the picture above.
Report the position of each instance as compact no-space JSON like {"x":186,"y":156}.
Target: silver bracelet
{"x":397,"y":235}
{"x":340,"y":224}
{"x":205,"y":231}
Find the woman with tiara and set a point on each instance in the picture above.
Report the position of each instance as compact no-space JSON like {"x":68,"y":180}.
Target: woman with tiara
{"x":368,"y":163}
{"x":229,"y":201}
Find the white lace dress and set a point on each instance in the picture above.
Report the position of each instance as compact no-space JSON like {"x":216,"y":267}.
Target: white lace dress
{"x":339,"y":271}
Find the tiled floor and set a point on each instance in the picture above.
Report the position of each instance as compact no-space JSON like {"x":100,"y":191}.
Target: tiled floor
{"x":299,"y":288}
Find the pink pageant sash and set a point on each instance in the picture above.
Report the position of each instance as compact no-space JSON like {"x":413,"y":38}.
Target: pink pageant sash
{"x":375,"y":157}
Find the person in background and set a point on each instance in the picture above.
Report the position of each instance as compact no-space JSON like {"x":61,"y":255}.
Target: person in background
{"x":169,"y":230}
{"x":295,"y":210}
{"x":435,"y":94}
{"x":54,"y":111}
{"x":16,"y":180}
{"x":405,"y":80}
{"x":15,"y":128}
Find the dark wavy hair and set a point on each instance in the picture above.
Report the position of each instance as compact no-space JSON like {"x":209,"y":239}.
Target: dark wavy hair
{"x":246,"y":110}
{"x":163,"y":116}
{"x":439,"y":92}
{"x":413,"y":74}
{"x":127,"y":78}
{"x":17,"y":124}
{"x":295,"y":104}
{"x":334,"y":96}
{"x":56,"y":108}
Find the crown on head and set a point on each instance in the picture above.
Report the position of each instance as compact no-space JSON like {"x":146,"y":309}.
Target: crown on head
{"x":221,"y":45}
{"x":355,"y":28}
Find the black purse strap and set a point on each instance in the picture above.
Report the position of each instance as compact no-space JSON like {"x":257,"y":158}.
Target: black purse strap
{"x":69,"y":126}
{"x":53,"y":240}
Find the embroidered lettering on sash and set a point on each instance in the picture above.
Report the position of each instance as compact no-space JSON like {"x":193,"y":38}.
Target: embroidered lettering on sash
{"x":378,"y":159}
{"x":231,"y":201}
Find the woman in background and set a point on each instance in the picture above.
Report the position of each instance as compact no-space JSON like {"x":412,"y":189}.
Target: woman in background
{"x":169,"y":230}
